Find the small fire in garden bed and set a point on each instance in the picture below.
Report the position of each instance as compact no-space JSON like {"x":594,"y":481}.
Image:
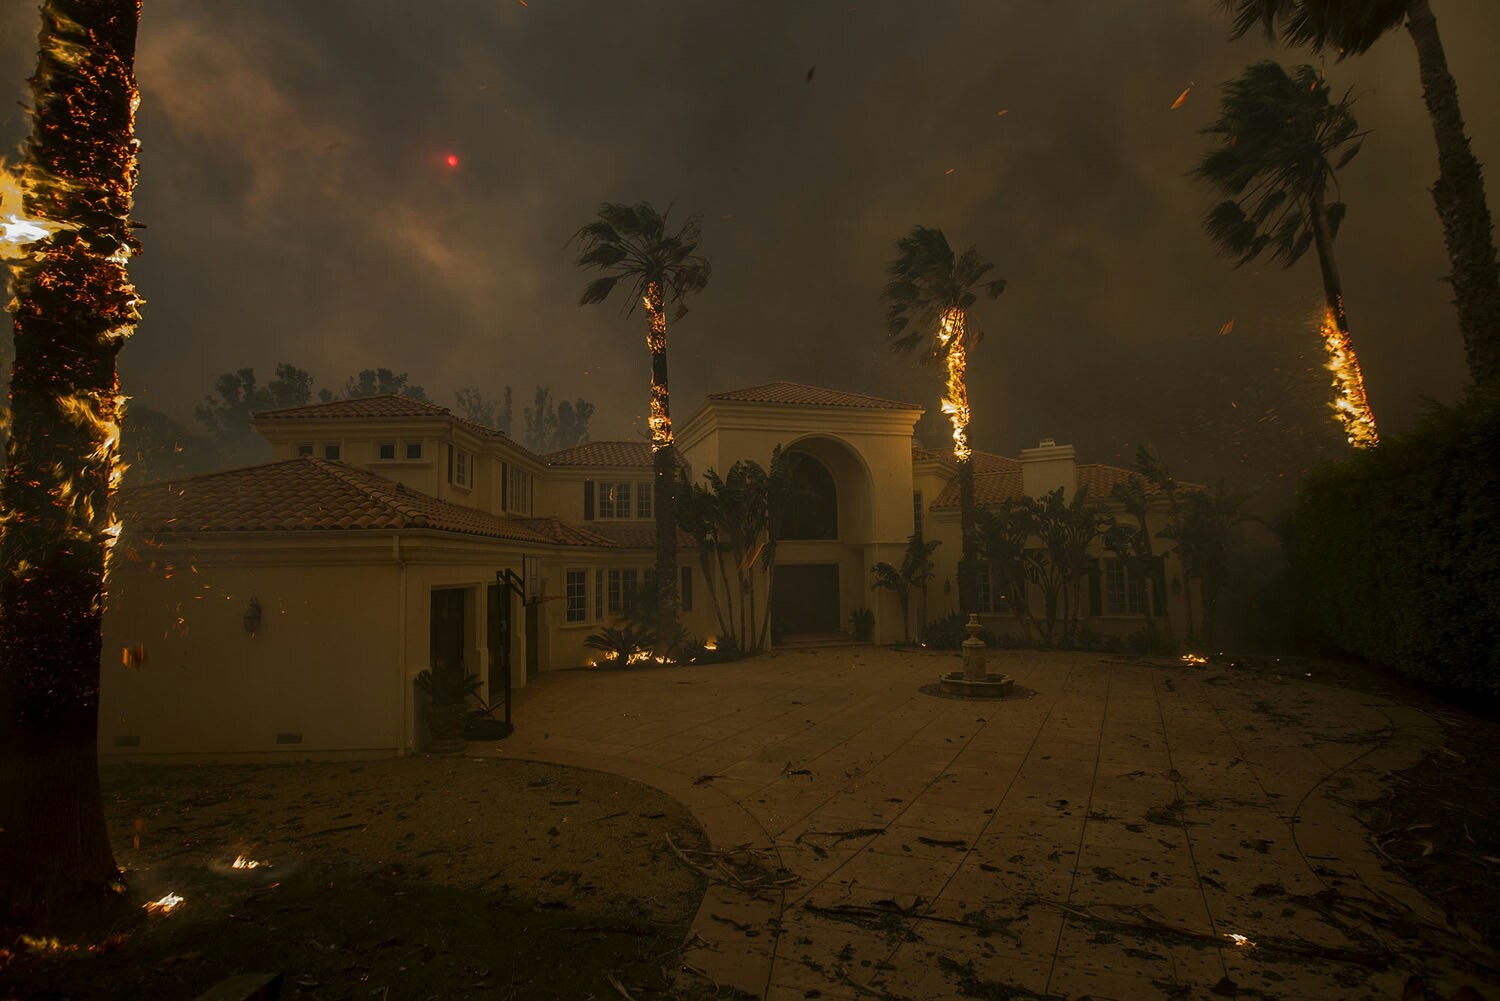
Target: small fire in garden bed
{"x":1194,"y":659}
{"x":165,"y":905}
{"x":1240,"y":941}
{"x":241,"y":862}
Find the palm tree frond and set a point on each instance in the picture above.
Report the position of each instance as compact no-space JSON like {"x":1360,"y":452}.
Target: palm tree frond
{"x":598,"y":290}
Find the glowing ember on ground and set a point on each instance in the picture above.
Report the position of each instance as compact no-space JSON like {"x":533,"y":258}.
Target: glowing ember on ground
{"x":1239,"y":941}
{"x":1350,"y":402}
{"x":956,"y":403}
{"x":240,"y":862}
{"x":165,"y":905}
{"x":1194,"y":658}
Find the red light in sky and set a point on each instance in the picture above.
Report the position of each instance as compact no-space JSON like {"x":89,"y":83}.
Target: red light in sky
{"x":452,"y":159}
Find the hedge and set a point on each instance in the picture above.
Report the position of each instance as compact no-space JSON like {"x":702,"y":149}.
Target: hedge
{"x":1395,"y":551}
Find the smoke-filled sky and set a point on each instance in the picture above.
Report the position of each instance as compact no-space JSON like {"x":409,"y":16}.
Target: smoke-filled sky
{"x":300,"y":207}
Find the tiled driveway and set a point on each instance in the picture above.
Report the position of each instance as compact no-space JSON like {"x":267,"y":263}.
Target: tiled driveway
{"x":1106,"y":837}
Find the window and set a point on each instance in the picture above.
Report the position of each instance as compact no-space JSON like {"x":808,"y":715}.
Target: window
{"x":386,"y":450}
{"x":991,"y":598}
{"x":463,"y":468}
{"x":598,"y":594}
{"x":520,"y":491}
{"x":331,"y":453}
{"x":305,"y":451}
{"x":1122,"y":591}
{"x":577,"y":596}
{"x":643,"y":501}
{"x":414,"y":450}
{"x":614,"y":500}
{"x":622,"y":590}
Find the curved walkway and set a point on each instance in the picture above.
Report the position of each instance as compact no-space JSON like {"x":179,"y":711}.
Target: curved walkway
{"x":1133,"y":829}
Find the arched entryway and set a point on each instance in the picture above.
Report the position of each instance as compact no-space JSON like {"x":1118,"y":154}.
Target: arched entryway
{"x":819,"y":565}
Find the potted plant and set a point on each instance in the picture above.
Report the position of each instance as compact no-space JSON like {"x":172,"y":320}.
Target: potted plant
{"x":447,"y":690}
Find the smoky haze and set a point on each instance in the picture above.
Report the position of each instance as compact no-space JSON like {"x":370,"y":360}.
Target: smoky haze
{"x":300,"y":207}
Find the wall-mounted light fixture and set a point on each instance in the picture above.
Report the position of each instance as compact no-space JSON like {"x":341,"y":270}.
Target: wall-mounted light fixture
{"x":251,"y":617}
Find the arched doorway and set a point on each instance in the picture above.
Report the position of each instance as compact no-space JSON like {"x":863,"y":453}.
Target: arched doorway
{"x":819,"y":566}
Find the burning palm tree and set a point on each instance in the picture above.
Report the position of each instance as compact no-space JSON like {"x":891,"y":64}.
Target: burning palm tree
{"x":928,"y":293}
{"x":1277,"y":135}
{"x":630,"y":244}
{"x":1350,"y":27}
{"x":74,"y":307}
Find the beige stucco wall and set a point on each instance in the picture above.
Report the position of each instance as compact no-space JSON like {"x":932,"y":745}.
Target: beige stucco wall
{"x":868,"y":453}
{"x":324,"y":663}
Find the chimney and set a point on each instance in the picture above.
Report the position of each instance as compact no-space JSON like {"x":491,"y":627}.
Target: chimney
{"x":1047,"y":467}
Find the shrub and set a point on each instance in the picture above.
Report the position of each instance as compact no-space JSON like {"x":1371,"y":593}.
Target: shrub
{"x":862,"y":623}
{"x":949,"y":633}
{"x":620,"y":642}
{"x":1395,"y":552}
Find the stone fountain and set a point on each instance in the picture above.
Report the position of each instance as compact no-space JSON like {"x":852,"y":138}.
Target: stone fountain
{"x":975,"y":681}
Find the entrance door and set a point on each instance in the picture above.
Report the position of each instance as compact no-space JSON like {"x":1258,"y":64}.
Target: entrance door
{"x":447,"y":629}
{"x":806,"y":599}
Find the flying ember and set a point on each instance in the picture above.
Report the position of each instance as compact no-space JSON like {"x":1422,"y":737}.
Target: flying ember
{"x":451,"y":159}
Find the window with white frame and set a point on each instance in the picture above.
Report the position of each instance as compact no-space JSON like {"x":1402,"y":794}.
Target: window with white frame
{"x":1123,"y":594}
{"x":643,"y":498}
{"x":413,"y":450}
{"x":463,"y":468}
{"x":624,"y":499}
{"x":577,"y":609}
{"x":622,"y":591}
{"x":991,"y":593}
{"x":385,"y":450}
{"x":332,"y":452}
{"x":519,"y":496}
{"x":305,"y":450}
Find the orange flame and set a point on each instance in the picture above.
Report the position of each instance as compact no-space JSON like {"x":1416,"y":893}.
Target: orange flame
{"x":956,"y":403}
{"x":659,"y":421}
{"x":1350,"y":404}
{"x":165,"y":905}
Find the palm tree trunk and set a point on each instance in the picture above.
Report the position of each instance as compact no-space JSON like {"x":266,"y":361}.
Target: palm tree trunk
{"x":1351,"y":405}
{"x":968,"y":597}
{"x":765,"y":625}
{"x":664,"y":462}
{"x":1461,"y":204}
{"x":74,"y":307}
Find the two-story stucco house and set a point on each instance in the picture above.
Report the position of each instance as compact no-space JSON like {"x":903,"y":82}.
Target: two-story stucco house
{"x":287,"y":607}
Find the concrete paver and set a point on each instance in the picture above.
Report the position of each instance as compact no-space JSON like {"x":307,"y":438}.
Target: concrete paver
{"x":1103,"y":836}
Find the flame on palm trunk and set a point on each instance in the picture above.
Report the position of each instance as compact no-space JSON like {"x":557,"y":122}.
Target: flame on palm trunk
{"x":956,"y":402}
{"x":1350,"y":404}
{"x":656,"y":342}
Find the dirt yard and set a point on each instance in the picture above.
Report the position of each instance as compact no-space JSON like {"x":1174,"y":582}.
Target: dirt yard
{"x":420,"y":878}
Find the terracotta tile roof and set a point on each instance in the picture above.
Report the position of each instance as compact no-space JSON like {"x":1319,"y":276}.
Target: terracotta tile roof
{"x":622,"y":454}
{"x":812,"y":396}
{"x":563,"y":534}
{"x":637,"y":535}
{"x":385,"y":407}
{"x":999,"y":482}
{"x":990,"y":488}
{"x":984,"y":462}
{"x":298,"y":495}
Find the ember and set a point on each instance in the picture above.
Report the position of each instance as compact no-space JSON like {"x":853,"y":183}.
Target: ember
{"x":240,"y":862}
{"x":1194,"y":658}
{"x":165,"y":905}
